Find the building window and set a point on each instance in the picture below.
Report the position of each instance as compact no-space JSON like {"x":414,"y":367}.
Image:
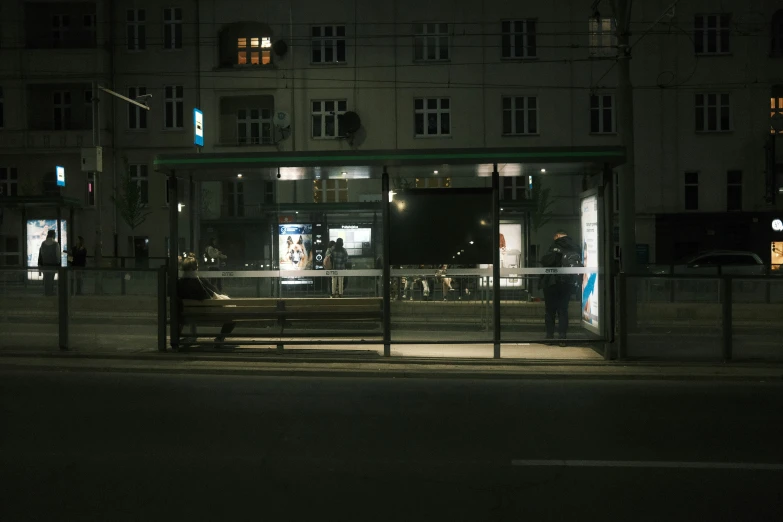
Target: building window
{"x":254,"y":126}
{"x":88,"y":119}
{"x":328,"y":44}
{"x":602,"y":36}
{"x":139,"y":175}
{"x":234,"y":198}
{"x":269,"y":192}
{"x":444,"y":182}
{"x":325,"y":117}
{"x":172,"y":28}
{"x":92,"y":189}
{"x":776,"y":34}
{"x":254,"y":51}
{"x":513,"y":188}
{"x":734,"y":190}
{"x":431,"y":42}
{"x":518,"y":39}
{"x":135,"y":30}
{"x":137,"y":117}
{"x":62,"y":110}
{"x":60,"y":26}
{"x":432,"y":116}
{"x":9,"y":181}
{"x":775,"y":105}
{"x":330,"y":191}
{"x":2,"y":109}
{"x":88,"y":22}
{"x":520,"y":115}
{"x":602,"y":114}
{"x":174,"y":106}
{"x":713,"y":112}
{"x":691,"y":191}
{"x":711,"y":33}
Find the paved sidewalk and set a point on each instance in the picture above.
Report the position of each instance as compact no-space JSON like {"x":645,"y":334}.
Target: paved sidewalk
{"x":389,"y":368}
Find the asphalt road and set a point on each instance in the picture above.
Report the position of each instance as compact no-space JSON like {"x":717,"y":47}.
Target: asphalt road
{"x":124,"y":446}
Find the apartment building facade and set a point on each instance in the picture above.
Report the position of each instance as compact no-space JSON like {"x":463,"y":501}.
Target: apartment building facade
{"x":440,"y":75}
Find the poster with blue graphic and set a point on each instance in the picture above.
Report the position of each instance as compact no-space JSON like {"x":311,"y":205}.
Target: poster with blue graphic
{"x":590,"y":259}
{"x":37,"y":230}
{"x":296,"y":247}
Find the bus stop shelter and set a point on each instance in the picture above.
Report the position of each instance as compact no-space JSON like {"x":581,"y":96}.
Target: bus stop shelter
{"x":481,"y":171}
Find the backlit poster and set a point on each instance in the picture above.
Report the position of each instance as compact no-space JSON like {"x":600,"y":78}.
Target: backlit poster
{"x":296,"y":247}
{"x":590,"y":259}
{"x":37,"y":229}
{"x":510,"y":245}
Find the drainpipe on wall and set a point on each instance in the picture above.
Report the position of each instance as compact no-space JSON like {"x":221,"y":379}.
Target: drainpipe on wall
{"x":293,"y":76}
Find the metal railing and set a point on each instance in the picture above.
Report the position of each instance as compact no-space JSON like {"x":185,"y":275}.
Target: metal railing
{"x":49,"y":308}
{"x":725,"y":317}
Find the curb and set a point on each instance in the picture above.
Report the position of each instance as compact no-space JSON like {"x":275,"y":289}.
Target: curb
{"x":314,"y":370}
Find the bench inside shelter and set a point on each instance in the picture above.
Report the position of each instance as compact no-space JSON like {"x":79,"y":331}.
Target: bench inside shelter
{"x":292,"y":317}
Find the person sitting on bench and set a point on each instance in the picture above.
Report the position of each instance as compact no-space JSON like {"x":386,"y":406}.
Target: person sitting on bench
{"x":190,"y":286}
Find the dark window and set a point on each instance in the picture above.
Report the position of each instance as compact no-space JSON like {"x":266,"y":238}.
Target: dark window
{"x":691,"y":191}
{"x":137,"y":117}
{"x":327,"y":44}
{"x":776,"y":34}
{"x":136,"y":31}
{"x":518,"y":39}
{"x":711,"y":33}
{"x":172,"y":28}
{"x":140,"y":176}
{"x":602,"y":113}
{"x":173,"y":106}
{"x":520,"y":115}
{"x":431,"y":41}
{"x":712,"y":112}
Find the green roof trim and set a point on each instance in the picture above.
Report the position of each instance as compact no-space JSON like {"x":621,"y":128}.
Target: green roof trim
{"x":481,"y":156}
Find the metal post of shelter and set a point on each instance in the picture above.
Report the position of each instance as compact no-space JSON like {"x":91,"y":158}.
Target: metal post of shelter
{"x":385,"y":205}
{"x":496,"y":261}
{"x":173,"y":265}
{"x":607,"y":261}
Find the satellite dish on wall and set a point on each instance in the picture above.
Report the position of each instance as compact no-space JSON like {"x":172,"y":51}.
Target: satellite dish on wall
{"x":282,"y":120}
{"x":280,"y":48}
{"x":350,"y":123}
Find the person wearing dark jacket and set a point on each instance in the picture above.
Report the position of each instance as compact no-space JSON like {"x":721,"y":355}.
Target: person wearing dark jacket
{"x":49,"y":259}
{"x":557,"y":288}
{"x":190,"y":286}
{"x":78,"y":259}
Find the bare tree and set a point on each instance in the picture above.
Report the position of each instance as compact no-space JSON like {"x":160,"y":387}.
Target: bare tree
{"x":130,"y":204}
{"x":541,"y":214}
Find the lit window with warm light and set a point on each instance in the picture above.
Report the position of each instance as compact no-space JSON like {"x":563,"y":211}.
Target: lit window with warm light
{"x":254,"y":51}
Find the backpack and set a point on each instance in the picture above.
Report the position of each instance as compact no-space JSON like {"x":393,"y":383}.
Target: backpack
{"x":571,"y":259}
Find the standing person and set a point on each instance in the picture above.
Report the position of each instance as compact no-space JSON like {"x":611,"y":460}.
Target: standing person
{"x":215,"y":259}
{"x":558,"y":288}
{"x":339,"y":257}
{"x":190,"y":286}
{"x":328,"y":264}
{"x":78,"y":259}
{"x":49,"y":258}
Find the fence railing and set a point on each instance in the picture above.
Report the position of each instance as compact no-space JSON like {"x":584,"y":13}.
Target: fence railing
{"x":727,"y":317}
{"x":65,"y":308}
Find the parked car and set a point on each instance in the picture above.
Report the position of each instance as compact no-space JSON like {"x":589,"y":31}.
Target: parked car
{"x":730,"y":262}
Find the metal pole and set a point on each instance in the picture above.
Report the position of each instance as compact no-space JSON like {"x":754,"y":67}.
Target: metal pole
{"x":62,"y":305}
{"x":192,"y":214}
{"x":622,"y":292}
{"x":627,"y":188}
{"x":173,"y":266}
{"x":726,"y":283}
{"x":386,"y":218}
{"x":162,"y":307}
{"x":607,"y":260}
{"x":496,"y":261}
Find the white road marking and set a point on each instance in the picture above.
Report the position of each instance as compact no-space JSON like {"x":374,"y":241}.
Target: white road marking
{"x":647,"y":464}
